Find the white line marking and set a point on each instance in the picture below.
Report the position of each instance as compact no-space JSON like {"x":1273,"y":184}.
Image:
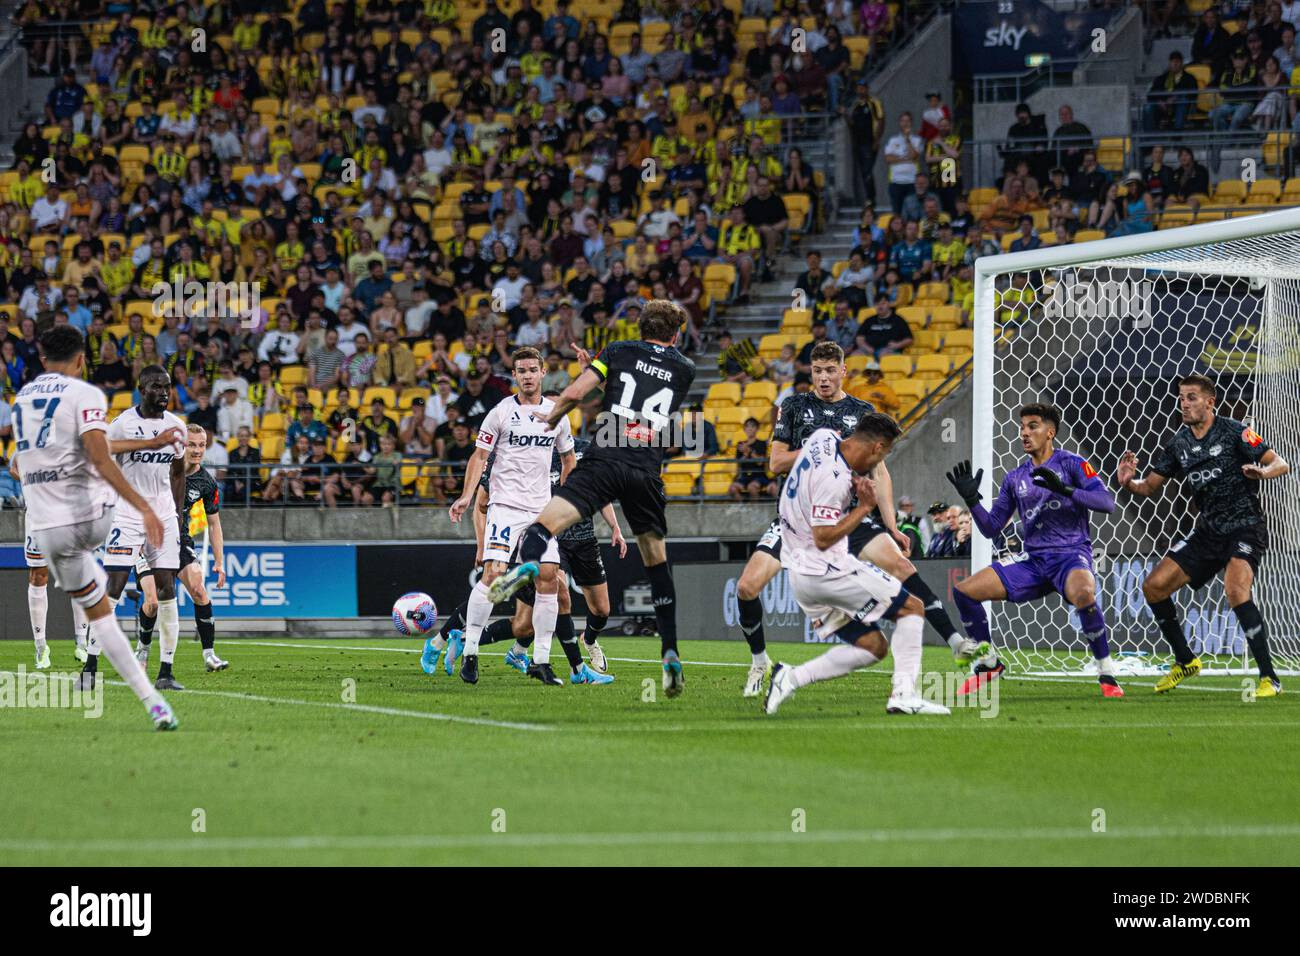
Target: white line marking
{"x":203,"y":843}
{"x":331,"y":705}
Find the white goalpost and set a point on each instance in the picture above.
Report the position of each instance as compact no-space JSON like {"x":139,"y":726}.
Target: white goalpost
{"x":1103,"y":330}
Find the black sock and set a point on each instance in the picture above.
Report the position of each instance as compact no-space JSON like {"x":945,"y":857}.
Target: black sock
{"x":92,"y":664}
{"x":935,"y":612}
{"x":203,"y":621}
{"x":1167,"y":618}
{"x":455,"y":621}
{"x":497,"y":631}
{"x":164,"y":670}
{"x":751,"y":623}
{"x":536,"y":538}
{"x":595,"y":624}
{"x":568,"y":638}
{"x":664,"y":596}
{"x":146,"y":625}
{"x":1252,"y":625}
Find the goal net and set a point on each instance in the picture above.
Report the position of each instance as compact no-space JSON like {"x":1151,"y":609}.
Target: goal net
{"x":1103,"y":330}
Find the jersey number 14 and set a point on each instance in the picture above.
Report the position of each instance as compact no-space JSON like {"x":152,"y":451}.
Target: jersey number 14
{"x":46,"y":430}
{"x":654,"y":409}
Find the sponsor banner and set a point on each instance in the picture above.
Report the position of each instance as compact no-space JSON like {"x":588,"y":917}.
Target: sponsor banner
{"x":998,"y":36}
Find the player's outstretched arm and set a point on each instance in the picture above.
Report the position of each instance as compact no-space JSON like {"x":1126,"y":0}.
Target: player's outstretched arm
{"x":991,"y":521}
{"x":96,"y":445}
{"x":573,"y":395}
{"x":1271,"y":465}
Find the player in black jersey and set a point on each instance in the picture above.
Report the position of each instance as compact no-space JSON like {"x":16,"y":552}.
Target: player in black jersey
{"x":201,"y":490}
{"x":645,"y":384}
{"x":876,"y":540}
{"x":1223,"y":461}
{"x":581,"y":562}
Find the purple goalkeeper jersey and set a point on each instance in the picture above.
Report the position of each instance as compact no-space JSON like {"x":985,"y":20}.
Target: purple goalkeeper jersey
{"x":1051,"y":522}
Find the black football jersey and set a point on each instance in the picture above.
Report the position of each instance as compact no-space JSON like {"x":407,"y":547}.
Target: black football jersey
{"x":645,"y":386}
{"x":199,"y":486}
{"x":804,"y":412}
{"x":583,"y":530}
{"x":1211,"y":466}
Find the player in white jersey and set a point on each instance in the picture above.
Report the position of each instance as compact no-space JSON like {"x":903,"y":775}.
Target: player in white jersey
{"x":69,"y":483}
{"x":845,"y":596}
{"x":519,"y":488}
{"x":159,"y":475}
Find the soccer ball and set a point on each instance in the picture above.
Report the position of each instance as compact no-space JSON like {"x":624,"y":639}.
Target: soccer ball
{"x":414,"y":614}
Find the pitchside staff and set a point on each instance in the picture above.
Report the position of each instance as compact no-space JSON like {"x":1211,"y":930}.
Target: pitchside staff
{"x":1223,"y":461}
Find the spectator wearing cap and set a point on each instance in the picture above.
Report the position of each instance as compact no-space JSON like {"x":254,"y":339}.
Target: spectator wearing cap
{"x":234,"y":412}
{"x":943,"y":541}
{"x":376,"y":425}
{"x":477,"y":399}
{"x":877,"y":391}
{"x":866,"y":119}
{"x":306,"y":424}
{"x":1236,"y":88}
{"x":1170,"y":97}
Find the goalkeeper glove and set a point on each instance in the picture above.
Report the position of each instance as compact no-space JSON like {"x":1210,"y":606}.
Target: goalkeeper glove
{"x":967,"y":485}
{"x":1044,"y":477}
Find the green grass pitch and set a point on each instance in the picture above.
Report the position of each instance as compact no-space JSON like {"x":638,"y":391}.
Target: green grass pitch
{"x":281,"y":765}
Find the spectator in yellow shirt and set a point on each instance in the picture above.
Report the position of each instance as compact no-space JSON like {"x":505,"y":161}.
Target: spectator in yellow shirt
{"x":877,"y":391}
{"x":946,"y":252}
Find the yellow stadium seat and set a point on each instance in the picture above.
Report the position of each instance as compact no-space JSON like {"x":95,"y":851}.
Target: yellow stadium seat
{"x":274,"y":422}
{"x":796,"y":320}
{"x":934,"y":292}
{"x":722,"y":395}
{"x":383,"y":393}
{"x":756,"y":392}
{"x":896,"y":365}
{"x":928,"y":366}
{"x":291,"y":375}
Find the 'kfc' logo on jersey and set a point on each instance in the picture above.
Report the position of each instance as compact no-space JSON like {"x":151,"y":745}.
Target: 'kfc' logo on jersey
{"x":89,"y":415}
{"x":825,"y":513}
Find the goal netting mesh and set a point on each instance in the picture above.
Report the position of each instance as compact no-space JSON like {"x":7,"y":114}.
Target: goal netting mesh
{"x":1106,"y":341}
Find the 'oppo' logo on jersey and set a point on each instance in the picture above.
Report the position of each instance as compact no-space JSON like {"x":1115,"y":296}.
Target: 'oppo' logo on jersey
{"x":1205,"y":475}
{"x":1051,"y":504}
{"x":531,"y":441}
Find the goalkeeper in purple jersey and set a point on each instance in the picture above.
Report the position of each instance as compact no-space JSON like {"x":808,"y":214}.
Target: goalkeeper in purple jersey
{"x":1054,"y":490}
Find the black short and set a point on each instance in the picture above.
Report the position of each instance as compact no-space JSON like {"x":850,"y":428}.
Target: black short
{"x":582,"y":563}
{"x":1207,"y":552}
{"x":860,"y":536}
{"x":596,"y":483}
{"x":770,"y":543}
{"x":188,"y":556}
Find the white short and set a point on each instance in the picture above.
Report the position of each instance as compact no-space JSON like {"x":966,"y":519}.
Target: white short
{"x":503,"y":530}
{"x":863,"y":593}
{"x":127,"y":543}
{"x":70,"y":551}
{"x":35,"y":559}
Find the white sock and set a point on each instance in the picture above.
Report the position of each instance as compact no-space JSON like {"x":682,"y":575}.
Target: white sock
{"x":518,"y":649}
{"x":478,"y":611}
{"x":839,"y":660}
{"x":38,"y":603}
{"x":760,"y":659}
{"x":169,"y":625}
{"x":1106,"y":666}
{"x":80,"y":624}
{"x":546,"y":611}
{"x":92,"y":642}
{"x":107,"y":634}
{"x":439,"y":641}
{"x":906,"y":648}
{"x":954,"y":641}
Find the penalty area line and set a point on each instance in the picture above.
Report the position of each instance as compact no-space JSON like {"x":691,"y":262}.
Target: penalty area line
{"x":207,"y":844}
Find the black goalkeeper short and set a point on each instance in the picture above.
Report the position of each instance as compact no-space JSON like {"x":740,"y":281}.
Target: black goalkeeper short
{"x":1206,"y":552}
{"x":582,"y":562}
{"x":595,"y":483}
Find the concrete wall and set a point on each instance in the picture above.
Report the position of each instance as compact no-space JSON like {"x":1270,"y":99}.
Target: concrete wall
{"x":14,"y":106}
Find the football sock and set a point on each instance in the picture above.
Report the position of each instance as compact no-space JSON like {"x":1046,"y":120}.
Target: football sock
{"x":80,"y":624}
{"x":1256,"y":632}
{"x":144,"y":632}
{"x":478,"y":610}
{"x":107,"y":633}
{"x":664,"y":596}
{"x":595,"y":624}
{"x":1093,"y":623}
{"x":905,"y":647}
{"x":497,"y":631}
{"x":1167,"y":618}
{"x":934,"y":610}
{"x":836,"y":662}
{"x":973,"y":617}
{"x":93,"y":646}
{"x":203,"y":622}
{"x":546,"y":611}
{"x":533,"y":546}
{"x":38,"y":603}
{"x":568,"y":640}
{"x":751,"y":625}
{"x":169,"y":625}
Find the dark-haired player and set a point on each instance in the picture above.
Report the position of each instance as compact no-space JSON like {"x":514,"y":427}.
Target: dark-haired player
{"x":69,"y":481}
{"x":877,"y":540}
{"x":201,"y":491}
{"x":1054,"y":490}
{"x":846,"y":598}
{"x":645,"y":383}
{"x":1223,"y":462}
{"x":159,"y":474}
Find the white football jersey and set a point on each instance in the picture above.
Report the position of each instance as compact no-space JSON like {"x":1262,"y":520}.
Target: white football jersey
{"x":60,"y":484}
{"x":148,"y":472}
{"x":816,"y":494}
{"x":521,"y":470}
